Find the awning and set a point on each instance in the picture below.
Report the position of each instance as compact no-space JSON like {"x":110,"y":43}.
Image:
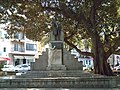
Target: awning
{"x":4,"y":58}
{"x":22,"y":57}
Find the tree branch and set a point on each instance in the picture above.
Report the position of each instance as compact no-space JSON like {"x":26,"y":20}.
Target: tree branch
{"x":78,"y":50}
{"x":117,"y":52}
{"x":114,"y":47}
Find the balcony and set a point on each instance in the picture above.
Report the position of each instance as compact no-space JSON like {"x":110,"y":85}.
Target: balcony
{"x":18,"y":38}
{"x":17,"y":49}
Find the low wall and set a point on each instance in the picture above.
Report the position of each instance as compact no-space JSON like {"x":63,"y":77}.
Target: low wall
{"x":60,"y":82}
{"x":2,"y":73}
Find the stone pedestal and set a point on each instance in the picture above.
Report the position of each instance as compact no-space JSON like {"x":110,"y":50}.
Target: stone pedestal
{"x":55,"y":60}
{"x":56,"y":67}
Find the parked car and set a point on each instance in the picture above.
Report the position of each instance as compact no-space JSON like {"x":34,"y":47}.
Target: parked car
{"x":20,"y":73}
{"x":22,"y":68}
{"x":116,"y":68}
{"x":8,"y":68}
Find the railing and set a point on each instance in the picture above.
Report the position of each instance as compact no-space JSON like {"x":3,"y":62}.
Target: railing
{"x":18,"y":49}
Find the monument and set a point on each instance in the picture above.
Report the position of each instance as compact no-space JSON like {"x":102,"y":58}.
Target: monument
{"x":56,"y":56}
{"x":55,"y":52}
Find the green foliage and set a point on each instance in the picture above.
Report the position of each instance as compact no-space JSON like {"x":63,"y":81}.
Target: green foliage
{"x":1,"y":65}
{"x":82,"y":18}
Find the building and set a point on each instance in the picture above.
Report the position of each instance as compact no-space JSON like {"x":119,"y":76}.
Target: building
{"x":87,"y":61}
{"x":4,"y":42}
{"x":114,"y":60}
{"x":18,"y":49}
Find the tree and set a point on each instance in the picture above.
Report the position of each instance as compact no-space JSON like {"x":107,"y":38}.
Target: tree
{"x":96,"y":20}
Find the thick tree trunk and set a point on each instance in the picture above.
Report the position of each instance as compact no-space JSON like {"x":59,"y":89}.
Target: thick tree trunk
{"x":101,"y":66}
{"x":100,"y":60}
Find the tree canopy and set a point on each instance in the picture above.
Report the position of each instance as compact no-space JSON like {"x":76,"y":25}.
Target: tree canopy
{"x":96,"y":20}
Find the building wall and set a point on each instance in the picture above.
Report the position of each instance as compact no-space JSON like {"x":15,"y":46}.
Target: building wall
{"x":24,"y":48}
{"x":114,"y":59}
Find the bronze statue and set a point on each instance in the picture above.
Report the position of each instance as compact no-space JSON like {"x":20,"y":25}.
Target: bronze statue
{"x":56,"y":30}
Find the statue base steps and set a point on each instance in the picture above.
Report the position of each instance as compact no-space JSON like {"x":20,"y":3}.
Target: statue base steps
{"x":57,"y":73}
{"x":56,"y":67}
{"x":60,"y":82}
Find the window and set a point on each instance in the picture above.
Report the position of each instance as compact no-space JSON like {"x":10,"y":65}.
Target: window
{"x":16,"y":36}
{"x":22,"y":36}
{"x":15,"y":47}
{"x":0,"y":34}
{"x":30,"y":47}
{"x":86,"y":61}
{"x":0,"y":53}
{"x":89,"y":62}
{"x":4,"y":49}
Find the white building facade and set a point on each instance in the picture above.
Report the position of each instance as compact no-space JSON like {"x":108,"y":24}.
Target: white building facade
{"x":19,"y":49}
{"x":114,"y":60}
